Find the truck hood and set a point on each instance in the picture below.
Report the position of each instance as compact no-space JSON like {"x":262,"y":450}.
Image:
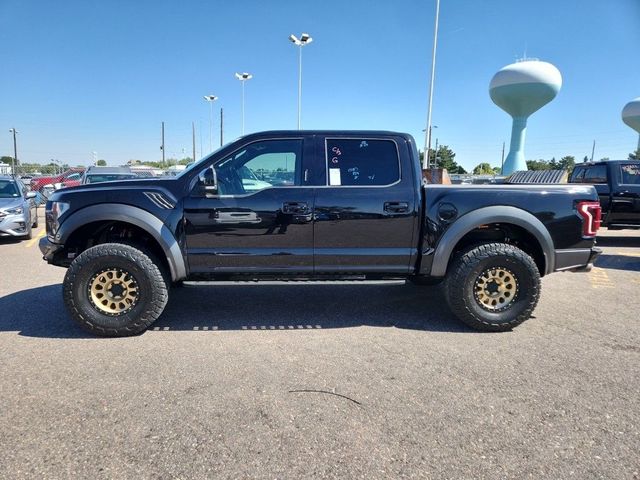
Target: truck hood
{"x":107,"y":190}
{"x":129,"y":183}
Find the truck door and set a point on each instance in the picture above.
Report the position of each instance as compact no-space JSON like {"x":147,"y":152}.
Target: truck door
{"x":625,"y":195}
{"x":366,"y":212}
{"x":258,"y":217}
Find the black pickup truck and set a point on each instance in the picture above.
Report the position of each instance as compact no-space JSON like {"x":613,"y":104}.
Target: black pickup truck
{"x":320,"y":205}
{"x":618,"y":185}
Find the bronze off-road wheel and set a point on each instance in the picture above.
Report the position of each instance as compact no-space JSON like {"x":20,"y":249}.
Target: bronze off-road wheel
{"x":493,"y":287}
{"x":115,"y":290}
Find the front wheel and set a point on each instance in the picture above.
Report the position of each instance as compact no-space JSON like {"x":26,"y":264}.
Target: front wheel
{"x":493,"y":287}
{"x":114,"y":290}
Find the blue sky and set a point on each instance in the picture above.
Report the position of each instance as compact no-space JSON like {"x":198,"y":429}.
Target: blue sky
{"x":83,"y":76}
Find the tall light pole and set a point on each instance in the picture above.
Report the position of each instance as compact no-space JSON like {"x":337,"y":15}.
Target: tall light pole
{"x":243,"y":77}
{"x":14,"y":162}
{"x":300,"y":42}
{"x":427,"y":140}
{"x":210,"y":99}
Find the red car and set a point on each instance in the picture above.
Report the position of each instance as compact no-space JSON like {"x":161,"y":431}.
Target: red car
{"x":70,"y":178}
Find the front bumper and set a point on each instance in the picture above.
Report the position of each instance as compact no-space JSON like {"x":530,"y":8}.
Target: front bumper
{"x":52,"y":252}
{"x":14,"y":225}
{"x":576,"y":259}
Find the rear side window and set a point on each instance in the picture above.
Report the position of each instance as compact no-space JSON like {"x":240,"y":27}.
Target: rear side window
{"x":577,"y":175}
{"x":596,"y":174}
{"x":630,"y":173}
{"x":362,"y":162}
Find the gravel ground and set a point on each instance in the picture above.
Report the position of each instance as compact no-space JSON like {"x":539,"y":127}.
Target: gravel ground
{"x":335,"y":381}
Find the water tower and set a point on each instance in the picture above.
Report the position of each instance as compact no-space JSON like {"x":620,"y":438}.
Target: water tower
{"x":521,"y":89}
{"x":631,"y":116}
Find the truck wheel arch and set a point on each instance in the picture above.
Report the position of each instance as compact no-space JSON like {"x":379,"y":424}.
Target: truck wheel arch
{"x":492,"y":215}
{"x":132,"y":215}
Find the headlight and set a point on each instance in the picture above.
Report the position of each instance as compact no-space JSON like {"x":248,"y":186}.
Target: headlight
{"x":53,"y":215}
{"x":14,"y":211}
{"x":58,"y":209}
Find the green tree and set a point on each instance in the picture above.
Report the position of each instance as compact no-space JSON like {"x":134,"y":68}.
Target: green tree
{"x":483,"y":169}
{"x":632,"y":156}
{"x":585,"y":159}
{"x":444,"y":158}
{"x":6,"y":160}
{"x":497,"y":170}
{"x":101,"y":163}
{"x":566,"y":163}
{"x":538,"y":165}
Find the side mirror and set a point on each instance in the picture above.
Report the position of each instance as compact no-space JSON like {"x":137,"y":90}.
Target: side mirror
{"x":30,"y":195}
{"x":208,"y":181}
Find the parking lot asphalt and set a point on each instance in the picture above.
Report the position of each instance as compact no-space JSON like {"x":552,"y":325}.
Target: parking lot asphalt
{"x":338,"y":381}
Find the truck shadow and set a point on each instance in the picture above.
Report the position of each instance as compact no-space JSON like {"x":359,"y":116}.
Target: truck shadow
{"x":622,"y":242}
{"x":39,"y":312}
{"x":628,"y":260}
{"x":630,"y":263}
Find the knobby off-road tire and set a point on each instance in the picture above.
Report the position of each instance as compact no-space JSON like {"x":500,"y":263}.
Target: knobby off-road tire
{"x":493,"y":287}
{"x":115,"y":290}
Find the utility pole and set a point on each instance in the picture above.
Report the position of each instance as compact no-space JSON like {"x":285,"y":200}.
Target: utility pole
{"x":193,"y":139}
{"x":435,"y":155}
{"x":162,"y":146}
{"x":14,"y":161}
{"x":221,"y":126}
{"x":200,"y":127}
{"x":427,"y":140}
{"x":593,"y":150}
{"x":502,"y":162}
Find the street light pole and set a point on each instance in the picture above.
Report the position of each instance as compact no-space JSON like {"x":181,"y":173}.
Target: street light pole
{"x":427,"y":140}
{"x":210,"y":99}
{"x":304,"y":39}
{"x":14,"y":161}
{"x":243,"y":77}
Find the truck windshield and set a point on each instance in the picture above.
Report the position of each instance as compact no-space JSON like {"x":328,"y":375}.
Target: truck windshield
{"x":8,"y":189}
{"x":108,"y":177}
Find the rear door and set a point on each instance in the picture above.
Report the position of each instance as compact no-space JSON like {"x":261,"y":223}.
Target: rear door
{"x":260,"y":219}
{"x":366,"y":212}
{"x":625,"y":195}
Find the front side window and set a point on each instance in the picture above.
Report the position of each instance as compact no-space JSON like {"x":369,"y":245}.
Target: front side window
{"x":596,"y":174}
{"x":361,"y":162}
{"x":260,"y":165}
{"x":630,"y":174}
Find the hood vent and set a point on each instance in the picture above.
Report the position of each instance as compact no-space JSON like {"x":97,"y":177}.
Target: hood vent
{"x":160,"y":200}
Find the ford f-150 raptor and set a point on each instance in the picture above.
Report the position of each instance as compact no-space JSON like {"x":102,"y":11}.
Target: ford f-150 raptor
{"x":329,"y":205}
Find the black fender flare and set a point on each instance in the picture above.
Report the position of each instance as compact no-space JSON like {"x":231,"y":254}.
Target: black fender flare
{"x":118,"y":212}
{"x":483,"y":216}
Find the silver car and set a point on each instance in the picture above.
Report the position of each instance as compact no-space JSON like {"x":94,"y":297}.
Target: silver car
{"x":18,"y":215}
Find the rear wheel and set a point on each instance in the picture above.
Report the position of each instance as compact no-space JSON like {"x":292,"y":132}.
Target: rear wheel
{"x":115,"y":290}
{"x":493,"y":287}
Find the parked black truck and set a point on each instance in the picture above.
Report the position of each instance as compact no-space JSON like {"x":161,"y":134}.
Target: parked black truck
{"x":320,"y":205}
{"x":618,"y":185}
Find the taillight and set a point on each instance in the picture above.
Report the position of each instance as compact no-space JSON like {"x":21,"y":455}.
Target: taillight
{"x":591,"y":214}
